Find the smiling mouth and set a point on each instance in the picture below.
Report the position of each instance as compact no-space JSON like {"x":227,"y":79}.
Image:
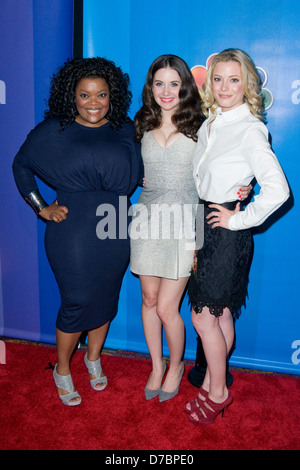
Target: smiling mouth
{"x":167,"y":100}
{"x":93,"y":111}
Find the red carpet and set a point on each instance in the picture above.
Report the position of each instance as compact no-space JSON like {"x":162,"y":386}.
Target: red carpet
{"x":265,"y":414}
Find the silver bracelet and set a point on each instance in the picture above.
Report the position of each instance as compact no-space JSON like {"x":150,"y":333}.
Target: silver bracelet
{"x":36,"y":201}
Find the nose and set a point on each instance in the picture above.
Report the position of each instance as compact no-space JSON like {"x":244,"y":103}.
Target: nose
{"x":224,"y":85}
{"x":93,"y":99}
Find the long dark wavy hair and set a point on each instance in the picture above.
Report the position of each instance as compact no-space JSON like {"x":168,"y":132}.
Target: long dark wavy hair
{"x":61,"y":102}
{"x":188,"y":116}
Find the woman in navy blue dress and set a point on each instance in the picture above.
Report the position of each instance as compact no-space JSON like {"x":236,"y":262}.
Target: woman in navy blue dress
{"x":85,"y":149}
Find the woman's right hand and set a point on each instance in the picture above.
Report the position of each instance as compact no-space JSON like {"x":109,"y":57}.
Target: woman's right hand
{"x":244,"y":192}
{"x":54,"y":212}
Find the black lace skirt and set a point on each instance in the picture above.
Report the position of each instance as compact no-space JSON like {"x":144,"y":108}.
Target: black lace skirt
{"x":220,"y":272}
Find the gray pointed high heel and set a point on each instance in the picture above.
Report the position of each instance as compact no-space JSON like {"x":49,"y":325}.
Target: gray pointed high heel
{"x":149,"y":394}
{"x":66,"y":383}
{"x":94,"y":368}
{"x":163,"y":396}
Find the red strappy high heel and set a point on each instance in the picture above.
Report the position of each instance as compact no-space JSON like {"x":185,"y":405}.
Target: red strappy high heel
{"x":207,"y":413}
{"x":196,"y":402}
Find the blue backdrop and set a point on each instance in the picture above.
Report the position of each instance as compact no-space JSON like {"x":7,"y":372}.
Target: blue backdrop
{"x":36,"y":38}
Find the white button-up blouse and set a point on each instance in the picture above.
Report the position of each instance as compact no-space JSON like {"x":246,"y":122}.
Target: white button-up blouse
{"x":232,"y":149}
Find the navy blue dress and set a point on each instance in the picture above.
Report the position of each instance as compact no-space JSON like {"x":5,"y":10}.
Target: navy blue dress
{"x":93,"y":170}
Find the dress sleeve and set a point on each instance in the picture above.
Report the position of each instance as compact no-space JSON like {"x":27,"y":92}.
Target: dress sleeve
{"x":125,"y":171}
{"x":137,"y":167}
{"x":274,"y":190}
{"x":23,"y":167}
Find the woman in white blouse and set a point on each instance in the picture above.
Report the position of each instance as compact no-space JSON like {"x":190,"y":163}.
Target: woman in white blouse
{"x":232,"y":149}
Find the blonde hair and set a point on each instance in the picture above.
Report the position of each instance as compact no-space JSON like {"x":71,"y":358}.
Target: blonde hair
{"x":250,"y":78}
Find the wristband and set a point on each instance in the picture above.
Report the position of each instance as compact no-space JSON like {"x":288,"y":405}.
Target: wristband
{"x":36,"y":201}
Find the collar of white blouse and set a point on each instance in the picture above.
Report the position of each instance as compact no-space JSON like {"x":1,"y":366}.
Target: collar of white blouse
{"x":229,"y":116}
{"x":222,"y":118}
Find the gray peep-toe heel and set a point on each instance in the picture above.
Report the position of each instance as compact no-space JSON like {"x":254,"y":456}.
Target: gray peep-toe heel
{"x":66,"y":383}
{"x":94,"y":368}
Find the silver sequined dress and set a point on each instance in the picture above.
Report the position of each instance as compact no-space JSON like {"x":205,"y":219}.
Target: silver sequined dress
{"x":162,"y":230}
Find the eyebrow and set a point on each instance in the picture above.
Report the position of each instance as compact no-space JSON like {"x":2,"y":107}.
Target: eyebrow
{"x":230,"y":76}
{"x":86,"y":91}
{"x":172,"y":81}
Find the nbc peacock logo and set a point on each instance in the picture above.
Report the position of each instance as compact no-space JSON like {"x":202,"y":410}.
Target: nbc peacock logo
{"x":199,"y":74}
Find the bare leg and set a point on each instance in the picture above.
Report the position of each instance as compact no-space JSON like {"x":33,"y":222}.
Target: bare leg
{"x":152,"y":328}
{"x":96,"y":338}
{"x":226,"y":325}
{"x":161,"y":298}
{"x":169,"y":296}
{"x":217,"y":338}
{"x":65,"y":343}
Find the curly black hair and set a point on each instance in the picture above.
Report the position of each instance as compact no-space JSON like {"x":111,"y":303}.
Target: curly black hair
{"x":61,"y":102}
{"x":188,"y":117}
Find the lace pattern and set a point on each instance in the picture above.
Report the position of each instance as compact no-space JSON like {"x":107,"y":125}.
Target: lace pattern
{"x":220,"y":271}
